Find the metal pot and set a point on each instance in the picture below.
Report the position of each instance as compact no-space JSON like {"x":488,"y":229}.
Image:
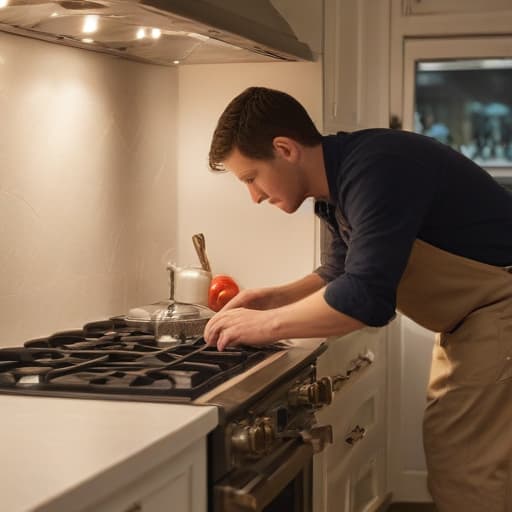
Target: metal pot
{"x":171,"y":321}
{"x":184,"y":316}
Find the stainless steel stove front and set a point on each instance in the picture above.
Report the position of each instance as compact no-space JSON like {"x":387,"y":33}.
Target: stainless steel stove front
{"x":261,"y":460}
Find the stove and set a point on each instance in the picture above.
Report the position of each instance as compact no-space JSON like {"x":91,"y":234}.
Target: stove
{"x":109,"y":359}
{"x":266,"y":398}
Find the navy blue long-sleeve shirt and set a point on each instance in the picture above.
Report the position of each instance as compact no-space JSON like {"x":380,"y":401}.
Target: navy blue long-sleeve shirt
{"x":388,"y":188}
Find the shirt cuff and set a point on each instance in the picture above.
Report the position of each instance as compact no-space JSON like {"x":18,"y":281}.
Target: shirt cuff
{"x":354,"y":297}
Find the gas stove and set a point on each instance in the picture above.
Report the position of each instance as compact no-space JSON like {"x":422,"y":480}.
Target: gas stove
{"x":110,"y":359}
{"x":266,"y":397}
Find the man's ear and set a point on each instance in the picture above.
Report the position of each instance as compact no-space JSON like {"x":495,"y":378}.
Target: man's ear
{"x":286,"y":148}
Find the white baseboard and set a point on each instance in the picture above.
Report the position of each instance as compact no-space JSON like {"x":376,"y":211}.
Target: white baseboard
{"x":412,"y":487}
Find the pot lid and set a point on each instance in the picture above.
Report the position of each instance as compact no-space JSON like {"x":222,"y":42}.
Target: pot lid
{"x":169,"y":311}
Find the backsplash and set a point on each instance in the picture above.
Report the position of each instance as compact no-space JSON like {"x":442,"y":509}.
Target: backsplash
{"x":87,"y":185}
{"x":104,"y":179}
{"x":259,"y":245}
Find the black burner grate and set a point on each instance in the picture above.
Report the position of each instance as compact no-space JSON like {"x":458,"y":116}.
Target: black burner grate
{"x":109,"y":357}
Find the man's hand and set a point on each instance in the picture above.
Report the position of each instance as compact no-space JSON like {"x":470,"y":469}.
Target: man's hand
{"x":239,"y":325}
{"x":310,"y":317}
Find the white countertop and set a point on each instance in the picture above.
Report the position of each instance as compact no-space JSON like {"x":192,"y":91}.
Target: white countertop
{"x":56,"y":449}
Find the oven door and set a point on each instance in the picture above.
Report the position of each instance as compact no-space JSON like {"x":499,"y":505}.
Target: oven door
{"x":279,"y":481}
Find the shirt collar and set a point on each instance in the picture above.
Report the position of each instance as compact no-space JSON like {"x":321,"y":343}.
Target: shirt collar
{"x":332,"y":146}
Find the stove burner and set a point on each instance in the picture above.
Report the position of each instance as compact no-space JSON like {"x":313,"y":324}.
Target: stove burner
{"x":110,"y":357}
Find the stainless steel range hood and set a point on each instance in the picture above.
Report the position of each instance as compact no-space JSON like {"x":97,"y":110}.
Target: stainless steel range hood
{"x":166,"y":32}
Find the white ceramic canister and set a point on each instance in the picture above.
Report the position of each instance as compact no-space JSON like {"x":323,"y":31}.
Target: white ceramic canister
{"x":191,"y":285}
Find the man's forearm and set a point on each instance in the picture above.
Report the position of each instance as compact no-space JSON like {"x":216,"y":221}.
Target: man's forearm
{"x":312,"y":317}
{"x":297,"y":290}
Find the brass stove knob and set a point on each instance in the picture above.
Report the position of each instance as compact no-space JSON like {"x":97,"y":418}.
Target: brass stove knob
{"x":253,"y":439}
{"x":317,"y":393}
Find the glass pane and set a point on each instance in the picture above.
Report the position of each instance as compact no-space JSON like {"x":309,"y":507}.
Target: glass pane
{"x":468,"y":105}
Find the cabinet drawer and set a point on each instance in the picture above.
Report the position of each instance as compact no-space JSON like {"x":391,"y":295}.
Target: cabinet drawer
{"x":361,"y":487}
{"x":355,"y":429}
{"x":346,"y":355}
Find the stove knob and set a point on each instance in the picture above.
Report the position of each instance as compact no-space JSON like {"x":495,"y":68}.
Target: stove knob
{"x":253,"y":439}
{"x":317,"y":393}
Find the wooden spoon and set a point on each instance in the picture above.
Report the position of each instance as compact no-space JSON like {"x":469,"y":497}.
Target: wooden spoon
{"x":200,"y":246}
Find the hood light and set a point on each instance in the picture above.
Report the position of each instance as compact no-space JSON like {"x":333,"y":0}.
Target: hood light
{"x":54,"y":14}
{"x":142,"y":33}
{"x":87,"y":40}
{"x":175,"y":61}
{"x":201,"y":37}
{"x":90,"y":24}
{"x":3,"y":3}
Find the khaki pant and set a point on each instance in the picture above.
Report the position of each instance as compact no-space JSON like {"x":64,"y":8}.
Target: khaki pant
{"x":468,"y":419}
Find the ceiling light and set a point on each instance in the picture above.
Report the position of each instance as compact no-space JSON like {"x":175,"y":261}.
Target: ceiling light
{"x":90,"y":24}
{"x":141,"y":33}
{"x":156,"y":33}
{"x":87,"y":40}
{"x":175,"y":61}
{"x":53,"y":14}
{"x":3,"y":3}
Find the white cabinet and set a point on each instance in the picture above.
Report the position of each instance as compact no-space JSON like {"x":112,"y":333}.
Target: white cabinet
{"x":176,"y":485}
{"x":427,"y":30}
{"x":439,"y":23}
{"x":356,"y":64}
{"x":429,"y":7}
{"x":409,"y":360}
{"x":359,"y":487}
{"x":350,"y":475}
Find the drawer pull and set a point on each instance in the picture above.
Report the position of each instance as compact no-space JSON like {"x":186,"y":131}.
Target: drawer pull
{"x":356,"y":435}
{"x":356,"y":365}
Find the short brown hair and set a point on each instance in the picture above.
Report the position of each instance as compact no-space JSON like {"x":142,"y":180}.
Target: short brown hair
{"x":253,"y":119}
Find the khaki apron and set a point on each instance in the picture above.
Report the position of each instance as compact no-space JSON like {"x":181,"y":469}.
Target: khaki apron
{"x":467,"y":429}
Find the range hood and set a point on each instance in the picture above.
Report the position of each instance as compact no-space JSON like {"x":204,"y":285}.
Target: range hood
{"x":166,"y":32}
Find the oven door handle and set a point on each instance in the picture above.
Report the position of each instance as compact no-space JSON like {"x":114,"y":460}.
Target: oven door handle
{"x":254,"y":488}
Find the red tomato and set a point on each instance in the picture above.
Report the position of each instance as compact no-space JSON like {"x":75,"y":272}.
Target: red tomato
{"x":222,"y":289}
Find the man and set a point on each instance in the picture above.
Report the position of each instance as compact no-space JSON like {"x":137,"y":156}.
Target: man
{"x":416,"y":227}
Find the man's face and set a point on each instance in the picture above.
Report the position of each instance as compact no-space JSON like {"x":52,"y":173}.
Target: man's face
{"x":279,"y":181}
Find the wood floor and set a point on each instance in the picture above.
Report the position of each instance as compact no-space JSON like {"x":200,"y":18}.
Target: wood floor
{"x":411,"y":507}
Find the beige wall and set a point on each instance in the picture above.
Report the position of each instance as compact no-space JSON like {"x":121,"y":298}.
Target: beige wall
{"x":257,"y":244}
{"x":87,"y":185}
{"x":103,"y":180}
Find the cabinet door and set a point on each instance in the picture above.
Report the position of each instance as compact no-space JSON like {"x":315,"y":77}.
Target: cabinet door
{"x":357,"y":486}
{"x":359,"y":421}
{"x":445,"y":30}
{"x":176,"y":485}
{"x":173,"y":495}
{"x":356,"y":42}
{"x":365,"y":484}
{"x":429,"y":7}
